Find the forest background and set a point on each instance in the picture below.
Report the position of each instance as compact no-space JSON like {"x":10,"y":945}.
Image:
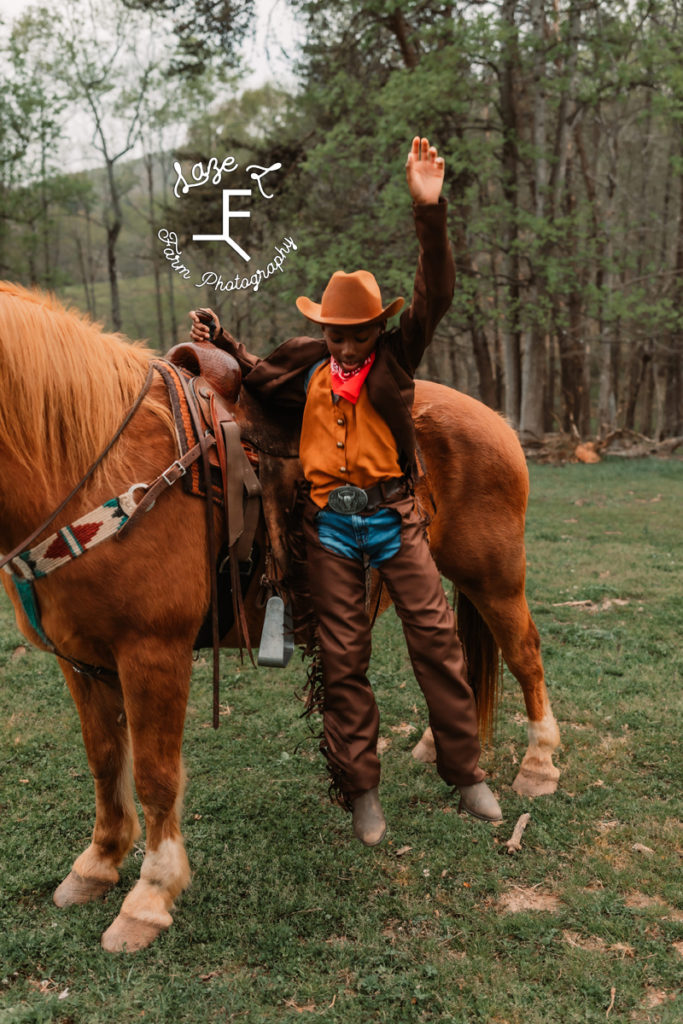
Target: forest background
{"x":560,"y":121}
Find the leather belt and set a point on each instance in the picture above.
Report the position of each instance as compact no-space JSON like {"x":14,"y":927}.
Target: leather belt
{"x":349,"y":500}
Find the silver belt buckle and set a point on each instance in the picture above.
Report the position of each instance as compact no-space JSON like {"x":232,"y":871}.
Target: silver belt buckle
{"x":348,"y":500}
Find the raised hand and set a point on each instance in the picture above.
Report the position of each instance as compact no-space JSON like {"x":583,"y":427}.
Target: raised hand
{"x":424,"y":171}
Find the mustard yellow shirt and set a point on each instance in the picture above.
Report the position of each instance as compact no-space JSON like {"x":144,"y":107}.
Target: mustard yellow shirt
{"x":343,"y":443}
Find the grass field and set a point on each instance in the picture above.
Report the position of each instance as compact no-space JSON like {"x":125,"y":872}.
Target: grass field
{"x":289,"y":919}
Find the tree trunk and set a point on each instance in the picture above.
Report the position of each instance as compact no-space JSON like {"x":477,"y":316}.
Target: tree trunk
{"x":171,"y":305}
{"x":149,"y":167}
{"x":637,"y":375}
{"x":464,"y":269}
{"x":670,"y":360}
{"x":80,"y":255}
{"x":511,"y":340}
{"x":90,"y":263}
{"x":452,"y":361}
{"x":400,"y":28}
{"x":534,"y":374}
{"x":608,"y":339}
{"x":570,"y":327}
{"x":482,"y":358}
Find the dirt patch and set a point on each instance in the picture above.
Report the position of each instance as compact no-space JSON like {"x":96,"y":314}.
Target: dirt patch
{"x":605,"y":605}
{"x":520,"y":899}
{"x":655,"y":997}
{"x":594,"y":944}
{"x":639,"y":901}
{"x":404,"y":729}
{"x":607,"y":825}
{"x":647,"y":851}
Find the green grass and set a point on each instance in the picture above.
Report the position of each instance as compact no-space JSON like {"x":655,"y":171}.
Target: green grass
{"x":288,"y":918}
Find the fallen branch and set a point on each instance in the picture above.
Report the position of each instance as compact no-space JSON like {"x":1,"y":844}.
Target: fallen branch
{"x":612,"y":993}
{"x":514,"y":843}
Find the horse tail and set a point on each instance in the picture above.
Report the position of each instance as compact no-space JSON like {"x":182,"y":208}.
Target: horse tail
{"x":484,"y":663}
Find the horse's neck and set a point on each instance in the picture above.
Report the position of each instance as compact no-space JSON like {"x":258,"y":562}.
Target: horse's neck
{"x":23,"y":502}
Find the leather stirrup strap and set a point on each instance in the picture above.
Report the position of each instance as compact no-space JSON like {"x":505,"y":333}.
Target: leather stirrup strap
{"x":206,"y":441}
{"x":242,"y":490}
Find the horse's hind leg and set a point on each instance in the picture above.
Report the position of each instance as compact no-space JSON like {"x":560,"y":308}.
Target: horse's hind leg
{"x":514,"y":631}
{"x":105,"y":735}
{"x":155,"y":677}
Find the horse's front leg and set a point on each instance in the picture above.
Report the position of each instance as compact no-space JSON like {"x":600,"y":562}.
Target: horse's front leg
{"x":105,"y":735}
{"x":155,"y":677}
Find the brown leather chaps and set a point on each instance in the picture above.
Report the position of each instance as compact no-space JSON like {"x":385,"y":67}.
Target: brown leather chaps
{"x":350,"y":714}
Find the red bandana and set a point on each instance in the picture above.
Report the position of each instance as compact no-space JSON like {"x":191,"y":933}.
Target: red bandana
{"x":347,"y":383}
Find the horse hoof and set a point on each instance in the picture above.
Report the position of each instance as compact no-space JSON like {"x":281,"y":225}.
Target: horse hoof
{"x":129,"y":934}
{"x":75,"y":890}
{"x":532,"y":784}
{"x":424,"y":750}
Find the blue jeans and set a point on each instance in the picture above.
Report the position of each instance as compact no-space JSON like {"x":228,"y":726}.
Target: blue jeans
{"x":378,"y":535}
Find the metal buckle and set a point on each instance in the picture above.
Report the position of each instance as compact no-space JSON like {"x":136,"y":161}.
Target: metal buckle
{"x":182,"y":472}
{"x":348,"y":500}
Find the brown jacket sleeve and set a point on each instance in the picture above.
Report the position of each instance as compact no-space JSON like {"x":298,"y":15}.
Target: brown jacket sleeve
{"x":434,"y":281}
{"x":246,"y":359}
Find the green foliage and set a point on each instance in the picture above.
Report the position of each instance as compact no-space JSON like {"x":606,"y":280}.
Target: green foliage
{"x":202,"y":28}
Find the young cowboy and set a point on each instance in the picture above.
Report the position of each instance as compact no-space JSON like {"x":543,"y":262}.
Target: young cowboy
{"x":355,"y":389}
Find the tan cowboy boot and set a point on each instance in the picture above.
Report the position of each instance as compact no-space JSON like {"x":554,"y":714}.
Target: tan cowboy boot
{"x":479,"y":801}
{"x":368,"y":819}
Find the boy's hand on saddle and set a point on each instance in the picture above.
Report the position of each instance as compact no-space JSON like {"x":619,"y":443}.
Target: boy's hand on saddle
{"x":201,"y":319}
{"x":424,"y":171}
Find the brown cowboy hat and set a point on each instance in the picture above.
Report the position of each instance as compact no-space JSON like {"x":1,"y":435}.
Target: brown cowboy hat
{"x":349,"y":299}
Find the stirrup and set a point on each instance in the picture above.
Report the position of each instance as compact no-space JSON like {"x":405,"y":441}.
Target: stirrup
{"x":277,"y":637}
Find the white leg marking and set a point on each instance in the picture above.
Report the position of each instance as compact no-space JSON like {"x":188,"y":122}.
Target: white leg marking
{"x":537,"y":774}
{"x":165,"y":873}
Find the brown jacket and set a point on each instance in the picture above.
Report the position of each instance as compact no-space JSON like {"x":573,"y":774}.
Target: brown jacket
{"x":279,"y":379}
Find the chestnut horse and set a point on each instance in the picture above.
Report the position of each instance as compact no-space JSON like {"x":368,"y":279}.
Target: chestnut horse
{"x":134,"y":608}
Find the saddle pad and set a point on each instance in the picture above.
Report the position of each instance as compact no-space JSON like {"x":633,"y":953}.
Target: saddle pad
{"x":193,"y":481}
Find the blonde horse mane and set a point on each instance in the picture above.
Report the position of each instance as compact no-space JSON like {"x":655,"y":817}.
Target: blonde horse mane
{"x":66,"y":384}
